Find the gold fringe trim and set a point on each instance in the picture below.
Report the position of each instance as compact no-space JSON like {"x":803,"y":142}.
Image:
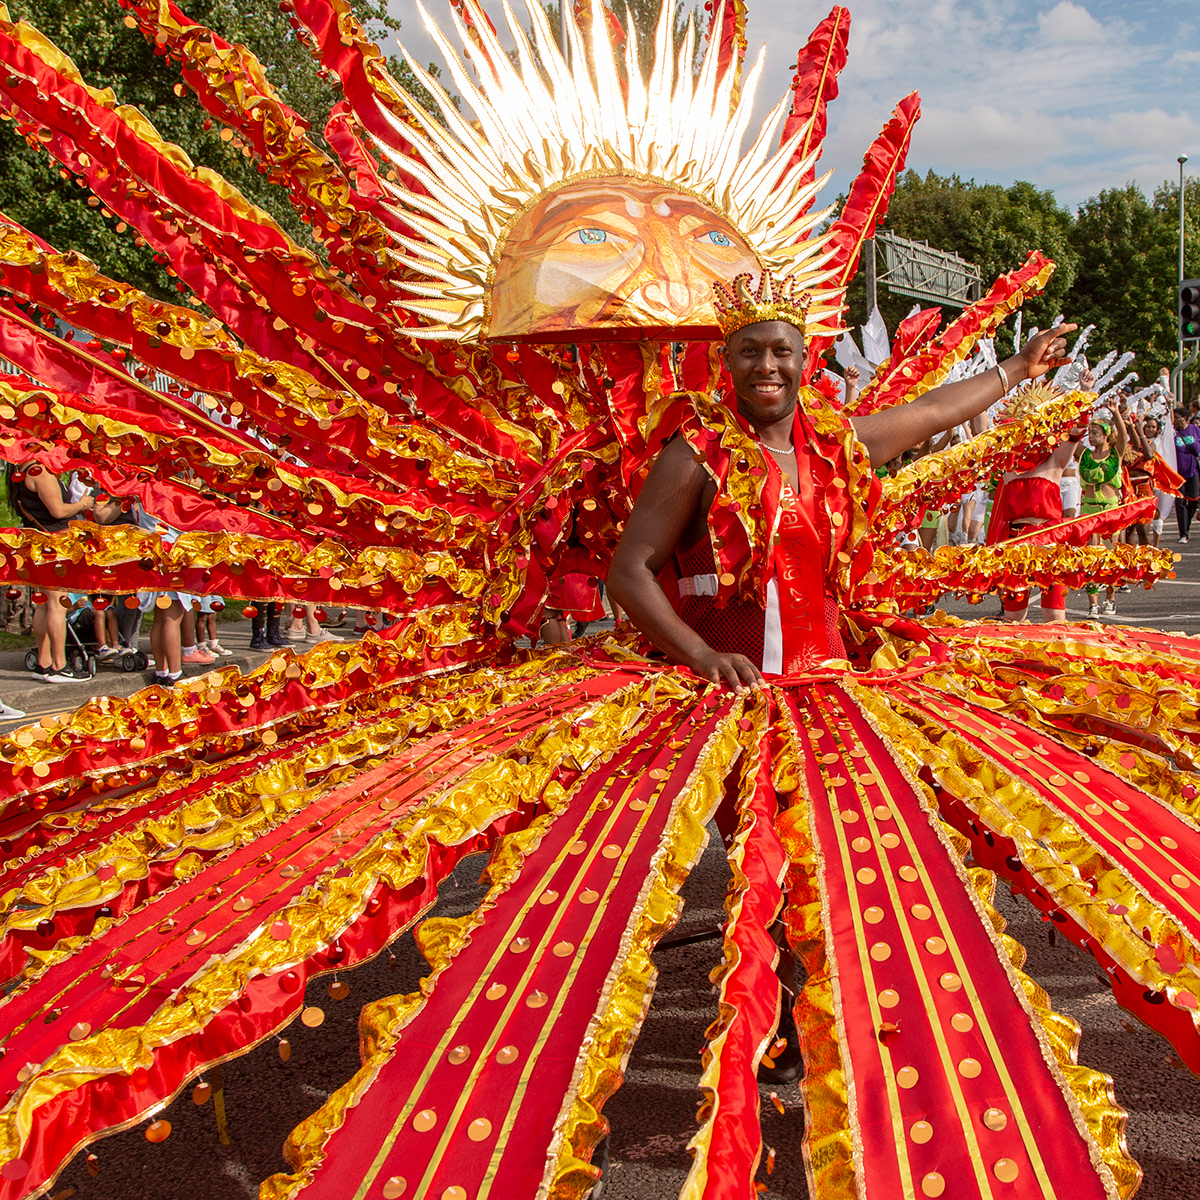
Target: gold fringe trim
{"x":831,"y":1150}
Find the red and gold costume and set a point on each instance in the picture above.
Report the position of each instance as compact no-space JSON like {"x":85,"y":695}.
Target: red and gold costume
{"x":815,"y":552}
{"x":178,"y":866}
{"x":1022,"y":505}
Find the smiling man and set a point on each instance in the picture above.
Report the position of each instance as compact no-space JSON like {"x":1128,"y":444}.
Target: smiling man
{"x":751,"y":522}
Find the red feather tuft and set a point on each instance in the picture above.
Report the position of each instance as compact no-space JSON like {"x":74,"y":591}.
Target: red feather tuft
{"x":816,"y":83}
{"x":867,"y":203}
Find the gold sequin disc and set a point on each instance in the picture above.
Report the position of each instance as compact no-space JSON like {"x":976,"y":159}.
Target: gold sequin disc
{"x":874,"y":915}
{"x":969,"y":1068}
{"x":889,"y":998}
{"x":589,"y":896}
{"x":865,"y":875}
{"x":562,"y":949}
{"x":933,"y":1184}
{"x":506,"y":1055}
{"x":962,"y":1023}
{"x":394,"y":1188}
{"x":995,"y":1119}
{"x":495,"y":991}
{"x":425,"y":1120}
{"x":1006,"y":1170}
{"x":921,"y":912}
{"x":519,"y":945}
{"x":479,"y":1129}
{"x":459,"y":1054}
{"x":548,"y":897}
{"x":950,"y":982}
{"x":921,"y":1132}
{"x":935,"y":945}
{"x":908,"y":874}
{"x":537,"y":999}
{"x":881,"y":952}
{"x":312,"y":1016}
{"x":907,"y":1077}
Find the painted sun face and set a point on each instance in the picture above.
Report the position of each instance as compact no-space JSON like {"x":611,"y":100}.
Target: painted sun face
{"x":612,"y":255}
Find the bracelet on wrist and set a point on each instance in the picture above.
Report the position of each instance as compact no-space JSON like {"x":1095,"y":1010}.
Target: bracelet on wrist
{"x":1003,"y":379}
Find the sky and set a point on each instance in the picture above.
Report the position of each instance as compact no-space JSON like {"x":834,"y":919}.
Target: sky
{"x":1072,"y":96}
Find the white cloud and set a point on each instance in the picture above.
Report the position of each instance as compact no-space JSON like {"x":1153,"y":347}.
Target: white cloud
{"x":1150,"y":130}
{"x":1067,"y":22}
{"x":986,"y":137}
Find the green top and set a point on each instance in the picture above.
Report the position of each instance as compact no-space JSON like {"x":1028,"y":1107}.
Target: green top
{"x":1099,"y":472}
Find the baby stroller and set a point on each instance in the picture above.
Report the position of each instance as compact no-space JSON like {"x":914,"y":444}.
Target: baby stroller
{"x":81,"y":641}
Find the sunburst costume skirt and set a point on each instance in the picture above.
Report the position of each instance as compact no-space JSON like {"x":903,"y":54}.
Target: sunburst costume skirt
{"x":176,"y":866}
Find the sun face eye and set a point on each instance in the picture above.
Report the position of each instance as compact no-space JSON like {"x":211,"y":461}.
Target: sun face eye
{"x":715,"y":237}
{"x":588,"y":237}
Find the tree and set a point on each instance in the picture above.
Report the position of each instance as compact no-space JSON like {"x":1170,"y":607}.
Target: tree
{"x":108,"y":54}
{"x":992,"y":226}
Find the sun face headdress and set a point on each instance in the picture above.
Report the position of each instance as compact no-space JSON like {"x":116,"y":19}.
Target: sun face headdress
{"x":585,"y":197}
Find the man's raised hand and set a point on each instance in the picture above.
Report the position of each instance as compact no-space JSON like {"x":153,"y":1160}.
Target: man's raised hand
{"x":1047,"y":351}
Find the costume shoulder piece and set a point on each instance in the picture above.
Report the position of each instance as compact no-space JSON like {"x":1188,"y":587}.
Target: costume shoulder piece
{"x":744,"y":515}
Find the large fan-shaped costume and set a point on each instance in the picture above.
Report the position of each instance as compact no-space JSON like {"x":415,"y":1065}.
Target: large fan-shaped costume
{"x":445,"y":416}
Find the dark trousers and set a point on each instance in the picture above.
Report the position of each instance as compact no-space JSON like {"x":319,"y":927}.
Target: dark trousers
{"x":1185,"y":504}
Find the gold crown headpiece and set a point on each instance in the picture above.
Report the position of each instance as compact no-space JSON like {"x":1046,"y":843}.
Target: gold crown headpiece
{"x":776,"y":298}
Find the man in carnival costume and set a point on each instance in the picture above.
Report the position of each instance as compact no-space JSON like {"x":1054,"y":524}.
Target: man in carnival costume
{"x":815,"y":461}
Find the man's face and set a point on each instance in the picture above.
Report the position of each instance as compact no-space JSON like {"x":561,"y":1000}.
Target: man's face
{"x":765,"y":361}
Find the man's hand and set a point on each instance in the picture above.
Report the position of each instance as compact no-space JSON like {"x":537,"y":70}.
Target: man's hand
{"x":1087,"y":380}
{"x":1046,"y":352}
{"x":733,"y":670}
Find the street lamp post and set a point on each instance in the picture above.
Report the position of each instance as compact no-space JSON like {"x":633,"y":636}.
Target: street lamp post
{"x":1179,"y":368}
{"x":1177,"y":373}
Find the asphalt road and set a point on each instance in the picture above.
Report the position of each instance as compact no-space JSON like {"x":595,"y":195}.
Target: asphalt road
{"x":653,"y":1114}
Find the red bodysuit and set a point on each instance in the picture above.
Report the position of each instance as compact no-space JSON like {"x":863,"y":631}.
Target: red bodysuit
{"x":789,"y":621}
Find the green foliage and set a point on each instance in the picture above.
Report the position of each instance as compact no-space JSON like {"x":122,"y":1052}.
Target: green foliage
{"x":109,"y":54}
{"x":992,"y":226}
{"x":1129,"y":267}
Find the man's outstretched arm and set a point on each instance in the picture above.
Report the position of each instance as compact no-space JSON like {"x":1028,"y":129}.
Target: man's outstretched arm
{"x":669,"y":501}
{"x":895,"y":430}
